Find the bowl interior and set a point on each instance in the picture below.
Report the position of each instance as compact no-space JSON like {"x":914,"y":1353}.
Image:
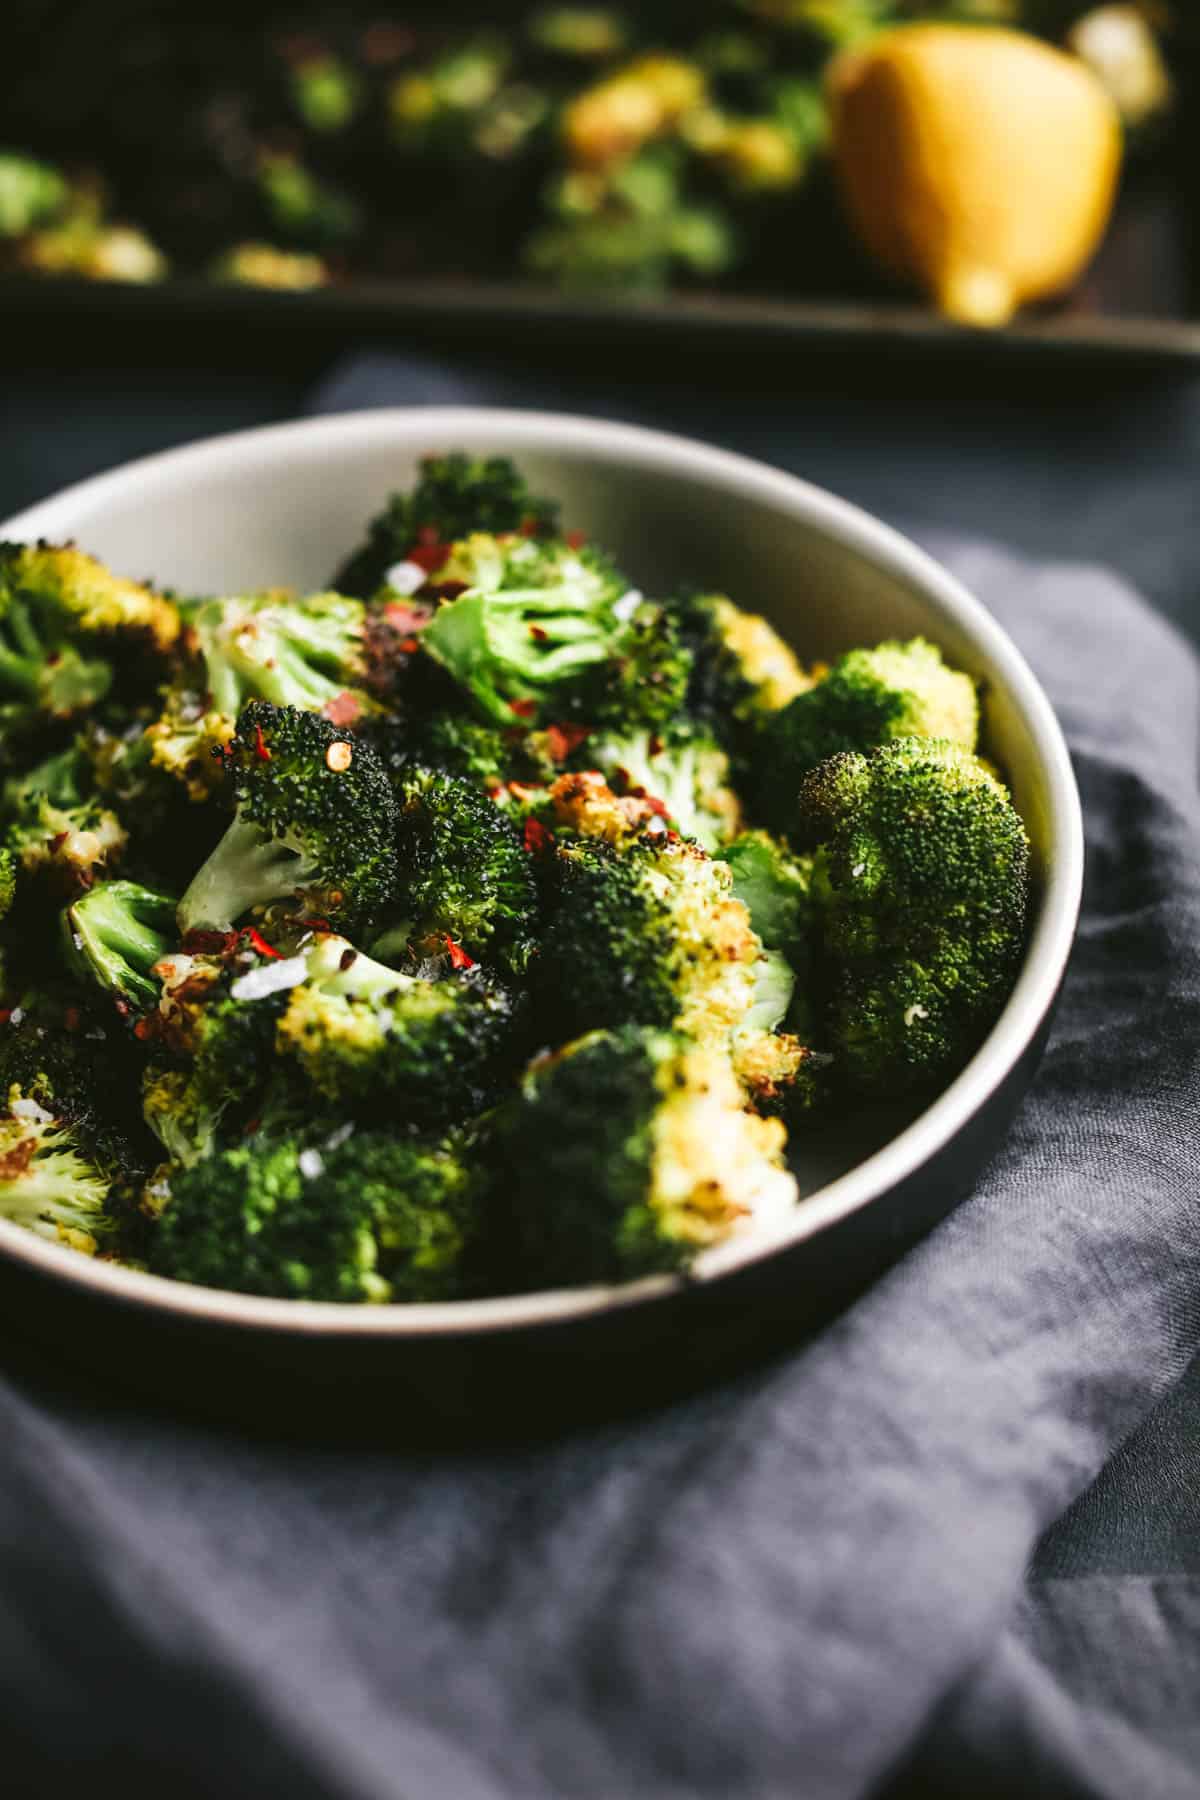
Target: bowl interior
{"x":284,"y":505}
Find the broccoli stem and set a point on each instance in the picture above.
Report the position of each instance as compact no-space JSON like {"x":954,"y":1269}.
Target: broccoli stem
{"x":116,"y":934}
{"x":246,"y":869}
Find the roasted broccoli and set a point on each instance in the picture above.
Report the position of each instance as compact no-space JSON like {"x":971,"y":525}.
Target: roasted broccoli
{"x":867,"y":697}
{"x":369,"y":1218}
{"x":530,"y":619}
{"x":683,"y":770}
{"x":920,"y":883}
{"x":643,"y":932}
{"x":315,"y":820}
{"x":69,"y":1142}
{"x":742,"y":671}
{"x":455,"y":495}
{"x":463,"y":874}
{"x":425,"y":1047}
{"x":57,"y":828}
{"x":773,"y":884}
{"x":115,"y":935}
{"x":627,"y":1153}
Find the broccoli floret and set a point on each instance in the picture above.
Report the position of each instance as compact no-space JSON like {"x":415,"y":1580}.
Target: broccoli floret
{"x":364,"y":1033}
{"x":30,"y":193}
{"x":60,"y":611}
{"x":774,"y":883}
{"x":532,"y":621}
{"x":8,"y":880}
{"x":214,"y":1030}
{"x":301,"y":651}
{"x":646,"y":932}
{"x":301,"y":207}
{"x":868,"y":696}
{"x":315,"y":818}
{"x":920,"y":885}
{"x":371,"y":1219}
{"x":628,"y":1153}
{"x":454,"y":495}
{"x":742,"y":671}
{"x":48,"y":1184}
{"x":57,"y":828}
{"x":684,"y":770}
{"x":115,"y":935}
{"x":463,"y":872}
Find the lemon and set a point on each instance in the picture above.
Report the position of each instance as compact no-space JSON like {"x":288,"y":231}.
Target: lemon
{"x":978,"y":162}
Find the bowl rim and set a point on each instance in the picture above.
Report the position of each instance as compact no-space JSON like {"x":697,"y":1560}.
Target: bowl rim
{"x":416,"y":428}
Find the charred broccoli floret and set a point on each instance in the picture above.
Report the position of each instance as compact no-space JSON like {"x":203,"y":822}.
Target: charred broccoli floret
{"x":365,"y":1034}
{"x":920,"y":884}
{"x":57,"y":828}
{"x":115,"y":935}
{"x":295,"y":650}
{"x":315,"y":818}
{"x":370,"y":1219}
{"x":683,"y":770}
{"x":69,"y":1143}
{"x":454,"y":495}
{"x":531,"y":621}
{"x":742,"y":670}
{"x":626,"y":1154}
{"x":463,"y":873}
{"x":773,"y":883}
{"x":645,"y":932}
{"x":867,"y":697}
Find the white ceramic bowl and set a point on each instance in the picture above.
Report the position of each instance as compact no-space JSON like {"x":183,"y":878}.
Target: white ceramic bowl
{"x":283,"y":505}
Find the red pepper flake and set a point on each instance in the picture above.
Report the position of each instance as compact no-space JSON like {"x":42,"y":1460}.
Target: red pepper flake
{"x":260,"y":944}
{"x":343,"y":709}
{"x":458,"y":956}
{"x":427,"y":553}
{"x":407,"y":618}
{"x":562,"y":739}
{"x":652,"y":801}
{"x":656,"y":745}
{"x":407,"y":645}
{"x":427,"y":534}
{"x":524,"y":709}
{"x":71,"y":1018}
{"x":209,"y":943}
{"x":536,"y":837}
{"x":142,"y":1029}
{"x":6,"y":1013}
{"x":122,"y":1007}
{"x":319,"y":925}
{"x":575,"y":540}
{"x":538,"y":633}
{"x":260,"y":747}
{"x":528,"y":526}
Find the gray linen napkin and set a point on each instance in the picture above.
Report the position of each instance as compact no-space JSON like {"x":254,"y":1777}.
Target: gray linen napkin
{"x":816,"y":1581}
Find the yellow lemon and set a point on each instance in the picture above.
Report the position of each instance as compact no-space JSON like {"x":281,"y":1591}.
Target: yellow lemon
{"x":978,"y":162}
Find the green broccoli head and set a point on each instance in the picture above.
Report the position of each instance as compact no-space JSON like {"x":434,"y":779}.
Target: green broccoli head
{"x":307,"y":652}
{"x":529,"y":624}
{"x":742,"y":670}
{"x":455,"y":495}
{"x":683,"y":770}
{"x":315,"y":819}
{"x":868,"y":697}
{"x":70,"y":1142}
{"x":643,"y":931}
{"x":58,"y":829}
{"x":626,"y":1154}
{"x":464,"y":873}
{"x":115,"y":935}
{"x":370,"y":1218}
{"x":920,"y":884}
{"x":9,"y":867}
{"x":428,"y":1045}
{"x":61,"y":613}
